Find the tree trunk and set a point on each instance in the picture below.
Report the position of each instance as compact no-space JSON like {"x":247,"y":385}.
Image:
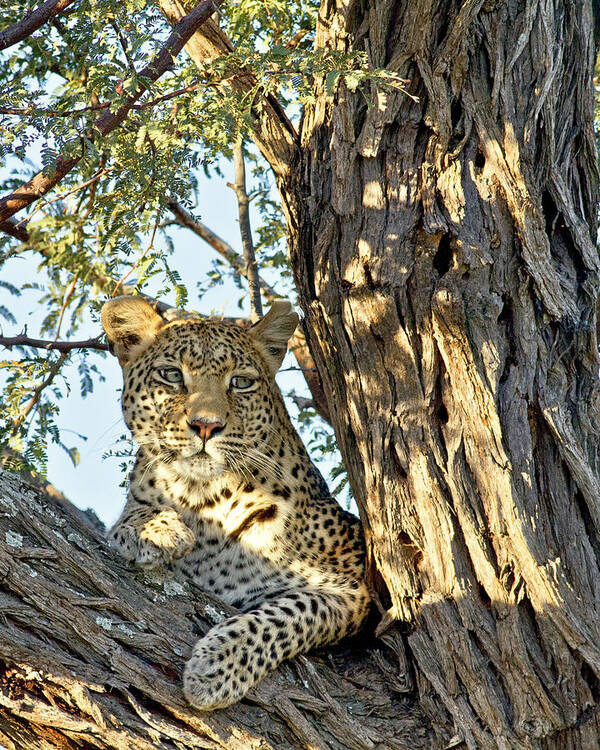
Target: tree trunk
{"x":444,"y":253}
{"x":91,"y":654}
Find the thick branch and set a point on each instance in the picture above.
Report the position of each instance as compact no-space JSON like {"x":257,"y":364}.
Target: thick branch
{"x":11,"y":227}
{"x":272,"y":132}
{"x":32,"y":21}
{"x":34,"y":188}
{"x":44,"y":181}
{"x":91,"y":654}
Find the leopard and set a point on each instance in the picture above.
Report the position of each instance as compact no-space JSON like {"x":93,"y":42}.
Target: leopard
{"x":224,"y":491}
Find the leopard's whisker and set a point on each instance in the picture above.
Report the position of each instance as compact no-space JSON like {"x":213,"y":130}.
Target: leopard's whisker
{"x":259,"y":460}
{"x":238,"y":464}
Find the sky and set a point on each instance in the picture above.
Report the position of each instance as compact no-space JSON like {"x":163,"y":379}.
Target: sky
{"x":94,"y":483}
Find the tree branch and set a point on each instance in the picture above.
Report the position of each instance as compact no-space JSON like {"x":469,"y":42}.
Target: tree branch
{"x":91,"y":654}
{"x":250,"y":266}
{"x":273,"y":133}
{"x":44,"y":181}
{"x":62,"y":346}
{"x":32,"y":21}
{"x":11,"y":227}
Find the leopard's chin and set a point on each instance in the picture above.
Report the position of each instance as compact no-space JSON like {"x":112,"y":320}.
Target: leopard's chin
{"x":199,"y":467}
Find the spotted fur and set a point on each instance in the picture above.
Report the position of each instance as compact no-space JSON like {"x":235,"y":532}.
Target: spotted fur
{"x":223,"y":488}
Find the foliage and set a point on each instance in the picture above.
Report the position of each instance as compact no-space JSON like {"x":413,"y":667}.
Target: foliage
{"x":99,"y":227}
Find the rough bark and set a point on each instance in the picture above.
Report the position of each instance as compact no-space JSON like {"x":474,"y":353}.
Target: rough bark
{"x":91,"y":654}
{"x":444,"y":253}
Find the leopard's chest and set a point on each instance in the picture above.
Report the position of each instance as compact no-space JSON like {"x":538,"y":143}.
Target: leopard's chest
{"x":242,"y":550}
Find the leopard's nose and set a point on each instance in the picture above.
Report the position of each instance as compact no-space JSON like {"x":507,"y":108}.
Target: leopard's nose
{"x":206,"y":428}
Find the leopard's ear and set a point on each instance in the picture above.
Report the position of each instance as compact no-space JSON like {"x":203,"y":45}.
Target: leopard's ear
{"x":273,"y":332}
{"x":131,"y":325}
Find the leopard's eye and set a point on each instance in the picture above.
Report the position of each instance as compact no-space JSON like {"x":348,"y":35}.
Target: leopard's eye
{"x":170,"y":375}
{"x":242,"y":382}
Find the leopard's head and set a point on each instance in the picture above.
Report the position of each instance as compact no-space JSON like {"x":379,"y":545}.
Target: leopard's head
{"x":200,"y":394}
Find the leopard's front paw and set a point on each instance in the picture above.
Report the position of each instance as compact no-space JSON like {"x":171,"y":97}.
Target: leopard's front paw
{"x":230,"y":659}
{"x":214,"y":677}
{"x":162,"y":538}
{"x":125,"y":539}
{"x":166,"y":535}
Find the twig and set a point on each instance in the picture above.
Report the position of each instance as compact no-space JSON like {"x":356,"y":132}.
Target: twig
{"x":42,"y":182}
{"x":138,"y":261}
{"x":91,"y":194}
{"x":37,"y":392}
{"x":123,"y":43}
{"x":97,"y":107}
{"x":32,"y":21}
{"x":62,"y":346}
{"x":94,"y":178}
{"x":251,"y":267}
{"x":61,"y":315}
{"x":298,"y":369}
{"x":100,"y":173}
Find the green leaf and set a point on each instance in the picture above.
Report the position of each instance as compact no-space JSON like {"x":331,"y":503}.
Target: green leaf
{"x":331,"y":82}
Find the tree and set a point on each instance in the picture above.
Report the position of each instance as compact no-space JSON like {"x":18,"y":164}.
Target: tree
{"x":442,"y":241}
